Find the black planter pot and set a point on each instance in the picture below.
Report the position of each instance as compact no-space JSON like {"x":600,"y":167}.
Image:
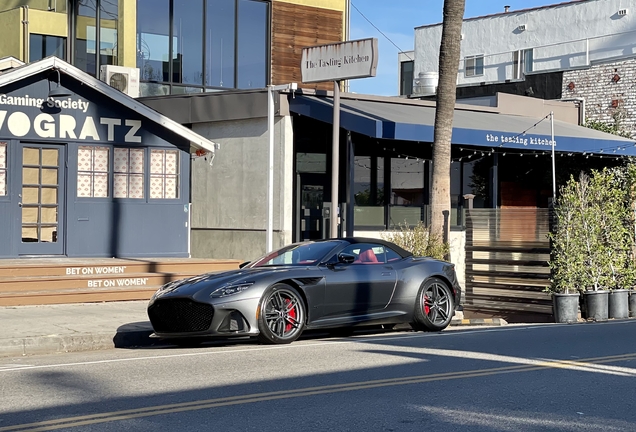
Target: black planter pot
{"x":632,"y":303}
{"x":618,"y":304}
{"x":596,"y":307}
{"x":565,"y":307}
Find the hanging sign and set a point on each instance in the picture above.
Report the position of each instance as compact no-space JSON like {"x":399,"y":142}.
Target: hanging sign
{"x":340,"y":61}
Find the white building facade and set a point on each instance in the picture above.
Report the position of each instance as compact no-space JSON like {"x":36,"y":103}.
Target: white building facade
{"x":583,"y":49}
{"x":564,"y":36}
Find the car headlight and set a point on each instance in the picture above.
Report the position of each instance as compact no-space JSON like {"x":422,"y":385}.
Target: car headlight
{"x":231,"y":290}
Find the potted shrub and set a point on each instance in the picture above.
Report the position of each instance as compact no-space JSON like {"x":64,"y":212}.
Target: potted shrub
{"x":566,"y":260}
{"x":621,"y":235}
{"x":597,"y":253}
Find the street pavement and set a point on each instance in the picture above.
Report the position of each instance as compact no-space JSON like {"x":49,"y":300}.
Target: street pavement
{"x":48,"y":329}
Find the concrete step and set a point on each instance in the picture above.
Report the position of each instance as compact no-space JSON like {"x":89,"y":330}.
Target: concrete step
{"x":61,"y":297}
{"x":98,"y":267}
{"x":112,"y":281}
{"x":63,"y":280}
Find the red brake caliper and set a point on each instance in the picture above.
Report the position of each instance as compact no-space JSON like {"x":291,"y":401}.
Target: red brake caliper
{"x":427,"y":308}
{"x":292,"y":314}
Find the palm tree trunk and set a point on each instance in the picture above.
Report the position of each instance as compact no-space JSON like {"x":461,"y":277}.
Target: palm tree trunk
{"x":446,"y":95}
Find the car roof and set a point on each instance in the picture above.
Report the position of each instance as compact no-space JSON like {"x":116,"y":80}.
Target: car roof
{"x":354,"y":240}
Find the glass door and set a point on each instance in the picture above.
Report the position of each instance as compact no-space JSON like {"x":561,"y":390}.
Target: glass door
{"x":41,"y":200}
{"x":311,"y":212}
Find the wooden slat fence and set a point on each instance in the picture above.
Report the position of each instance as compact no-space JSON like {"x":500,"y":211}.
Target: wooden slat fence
{"x":507,"y":255}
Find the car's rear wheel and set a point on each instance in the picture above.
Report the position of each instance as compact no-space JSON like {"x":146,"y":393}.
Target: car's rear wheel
{"x":281,"y":317}
{"x":434,"y":306}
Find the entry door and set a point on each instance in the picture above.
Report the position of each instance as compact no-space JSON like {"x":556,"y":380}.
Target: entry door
{"x":310,"y":206}
{"x":41,"y":200}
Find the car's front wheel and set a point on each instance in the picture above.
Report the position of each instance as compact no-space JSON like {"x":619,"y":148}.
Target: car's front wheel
{"x":434,"y":306}
{"x":281,"y":317}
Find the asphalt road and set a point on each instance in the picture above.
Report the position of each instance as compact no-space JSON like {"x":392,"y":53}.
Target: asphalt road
{"x":517,"y":378}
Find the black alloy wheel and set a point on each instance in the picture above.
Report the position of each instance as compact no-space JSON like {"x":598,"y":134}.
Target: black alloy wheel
{"x":281,"y":317}
{"x":434,"y":306}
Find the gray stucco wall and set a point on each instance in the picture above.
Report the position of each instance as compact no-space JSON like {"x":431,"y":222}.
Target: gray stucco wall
{"x":229,"y":199}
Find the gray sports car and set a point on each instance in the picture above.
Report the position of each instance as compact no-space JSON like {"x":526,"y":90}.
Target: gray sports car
{"x":328,"y":284}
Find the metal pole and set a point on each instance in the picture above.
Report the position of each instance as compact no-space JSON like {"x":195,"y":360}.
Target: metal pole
{"x":270,"y":171}
{"x":553,"y":161}
{"x":335,"y":160}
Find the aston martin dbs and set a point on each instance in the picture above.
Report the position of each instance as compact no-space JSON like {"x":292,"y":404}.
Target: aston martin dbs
{"x":328,"y":284}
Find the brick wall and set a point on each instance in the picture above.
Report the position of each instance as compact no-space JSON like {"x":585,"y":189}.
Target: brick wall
{"x":608,"y":90}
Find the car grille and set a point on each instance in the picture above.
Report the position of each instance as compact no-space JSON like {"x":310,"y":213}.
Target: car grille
{"x":180,"y":316}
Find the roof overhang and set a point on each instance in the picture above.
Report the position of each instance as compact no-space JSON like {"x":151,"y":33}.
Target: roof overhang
{"x":395,"y":119}
{"x":54,"y":63}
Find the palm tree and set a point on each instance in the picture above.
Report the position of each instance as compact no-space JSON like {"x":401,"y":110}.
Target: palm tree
{"x":446,"y":95}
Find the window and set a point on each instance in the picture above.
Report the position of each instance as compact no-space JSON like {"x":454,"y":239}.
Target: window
{"x":164,"y":174}
{"x":220,"y":42}
{"x":92,"y":172}
{"x":406,"y":77}
{"x":129,"y":173}
{"x":527,"y":59}
{"x":153,"y":39}
{"x":202,"y":44}
{"x":41,"y":46}
{"x":187,"y":32}
{"x":95,"y":33}
{"x":252,"y":44}
{"x":3,"y":169}
{"x":474,"y":65}
{"x":366,"y":253}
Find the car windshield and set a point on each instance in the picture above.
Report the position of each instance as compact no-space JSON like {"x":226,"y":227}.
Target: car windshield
{"x":307,"y":253}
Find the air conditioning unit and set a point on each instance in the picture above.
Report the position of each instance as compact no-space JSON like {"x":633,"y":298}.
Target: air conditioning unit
{"x":426,"y":84}
{"x":124,"y":79}
{"x":622,"y":12}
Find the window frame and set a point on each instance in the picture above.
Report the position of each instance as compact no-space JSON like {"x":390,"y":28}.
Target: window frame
{"x":164,"y":175}
{"x":522,"y":62}
{"x":129,"y":173}
{"x":5,"y":145}
{"x":475,"y":68}
{"x":108,"y":172}
{"x":206,"y":88}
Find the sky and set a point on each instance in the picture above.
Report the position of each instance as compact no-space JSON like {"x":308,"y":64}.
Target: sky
{"x":397,"y":19}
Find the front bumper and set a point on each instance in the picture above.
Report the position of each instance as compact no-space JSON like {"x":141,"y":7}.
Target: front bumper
{"x":184,"y":317}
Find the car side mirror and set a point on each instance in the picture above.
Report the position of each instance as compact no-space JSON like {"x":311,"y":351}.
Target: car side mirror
{"x":241,"y":265}
{"x":346,"y":258}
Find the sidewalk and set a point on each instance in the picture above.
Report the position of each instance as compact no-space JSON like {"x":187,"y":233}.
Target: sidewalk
{"x":29,"y":330}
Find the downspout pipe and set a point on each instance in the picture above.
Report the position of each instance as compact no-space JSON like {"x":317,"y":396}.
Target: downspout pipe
{"x":25,"y":34}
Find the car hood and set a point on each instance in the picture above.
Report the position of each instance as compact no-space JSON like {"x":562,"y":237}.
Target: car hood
{"x":212,"y":281}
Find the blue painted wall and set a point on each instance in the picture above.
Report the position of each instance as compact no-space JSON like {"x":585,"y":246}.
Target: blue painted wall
{"x":95,"y":227}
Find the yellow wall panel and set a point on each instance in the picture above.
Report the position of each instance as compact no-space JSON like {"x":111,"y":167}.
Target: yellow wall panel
{"x":127,"y":33}
{"x":59,"y":5}
{"x":48,"y":23}
{"x":11,"y":41}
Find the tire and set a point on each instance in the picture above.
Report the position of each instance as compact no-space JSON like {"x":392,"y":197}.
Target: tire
{"x":278,"y":324}
{"x":434,"y":306}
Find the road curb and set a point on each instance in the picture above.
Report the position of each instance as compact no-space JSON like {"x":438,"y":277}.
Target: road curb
{"x":57,"y":344}
{"x":479,"y":322}
{"x":54,"y":344}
